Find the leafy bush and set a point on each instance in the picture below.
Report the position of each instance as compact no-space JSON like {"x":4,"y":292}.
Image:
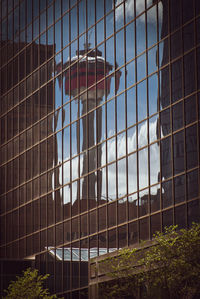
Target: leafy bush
{"x":169,"y":268}
{"x":29,"y":286}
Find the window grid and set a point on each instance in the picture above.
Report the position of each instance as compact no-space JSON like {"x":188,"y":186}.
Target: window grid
{"x":43,"y":136}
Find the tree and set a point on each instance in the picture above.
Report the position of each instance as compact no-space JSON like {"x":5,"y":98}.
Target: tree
{"x":28,"y":286}
{"x":169,"y":268}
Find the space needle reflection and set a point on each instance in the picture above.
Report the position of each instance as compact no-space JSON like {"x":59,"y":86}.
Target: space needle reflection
{"x":86,"y":81}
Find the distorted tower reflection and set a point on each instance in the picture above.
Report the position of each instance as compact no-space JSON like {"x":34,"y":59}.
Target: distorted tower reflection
{"x":84,"y":71}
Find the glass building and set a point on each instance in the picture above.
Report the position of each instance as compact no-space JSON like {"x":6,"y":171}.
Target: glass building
{"x":99,"y":129}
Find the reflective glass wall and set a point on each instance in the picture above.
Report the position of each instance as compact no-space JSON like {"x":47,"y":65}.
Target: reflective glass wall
{"x":99,"y":128}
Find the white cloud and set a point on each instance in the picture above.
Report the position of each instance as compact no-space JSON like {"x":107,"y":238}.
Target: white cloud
{"x":143,"y":173}
{"x":155,"y":160}
{"x":140,"y":7}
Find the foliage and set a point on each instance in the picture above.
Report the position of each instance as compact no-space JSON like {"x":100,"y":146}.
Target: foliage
{"x":170,"y":268}
{"x":28,"y":286}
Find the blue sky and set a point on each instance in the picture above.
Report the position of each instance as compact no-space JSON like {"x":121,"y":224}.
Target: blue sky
{"x":138,"y":64}
{"x":142,"y":90}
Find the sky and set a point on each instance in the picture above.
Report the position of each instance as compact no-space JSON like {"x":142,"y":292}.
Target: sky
{"x":132,"y":172}
{"x":140,"y":64}
{"x":142,"y":103}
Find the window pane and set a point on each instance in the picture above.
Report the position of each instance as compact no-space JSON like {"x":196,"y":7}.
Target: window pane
{"x":191,"y":147}
{"x":178,"y":146}
{"x":122,"y":178}
{"x":132,"y":173}
{"x":142,"y":100}
{"x":143,"y":168}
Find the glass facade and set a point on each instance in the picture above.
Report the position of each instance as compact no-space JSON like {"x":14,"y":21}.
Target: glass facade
{"x":99,"y":129}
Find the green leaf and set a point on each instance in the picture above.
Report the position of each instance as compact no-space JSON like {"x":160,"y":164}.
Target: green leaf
{"x":170,"y":268}
{"x":28,"y":286}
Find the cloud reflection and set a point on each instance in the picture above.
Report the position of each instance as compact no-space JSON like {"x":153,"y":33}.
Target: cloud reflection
{"x":140,"y":7}
{"x":143,"y":173}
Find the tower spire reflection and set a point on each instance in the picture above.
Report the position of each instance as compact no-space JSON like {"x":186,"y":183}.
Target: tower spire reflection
{"x":85,"y":81}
